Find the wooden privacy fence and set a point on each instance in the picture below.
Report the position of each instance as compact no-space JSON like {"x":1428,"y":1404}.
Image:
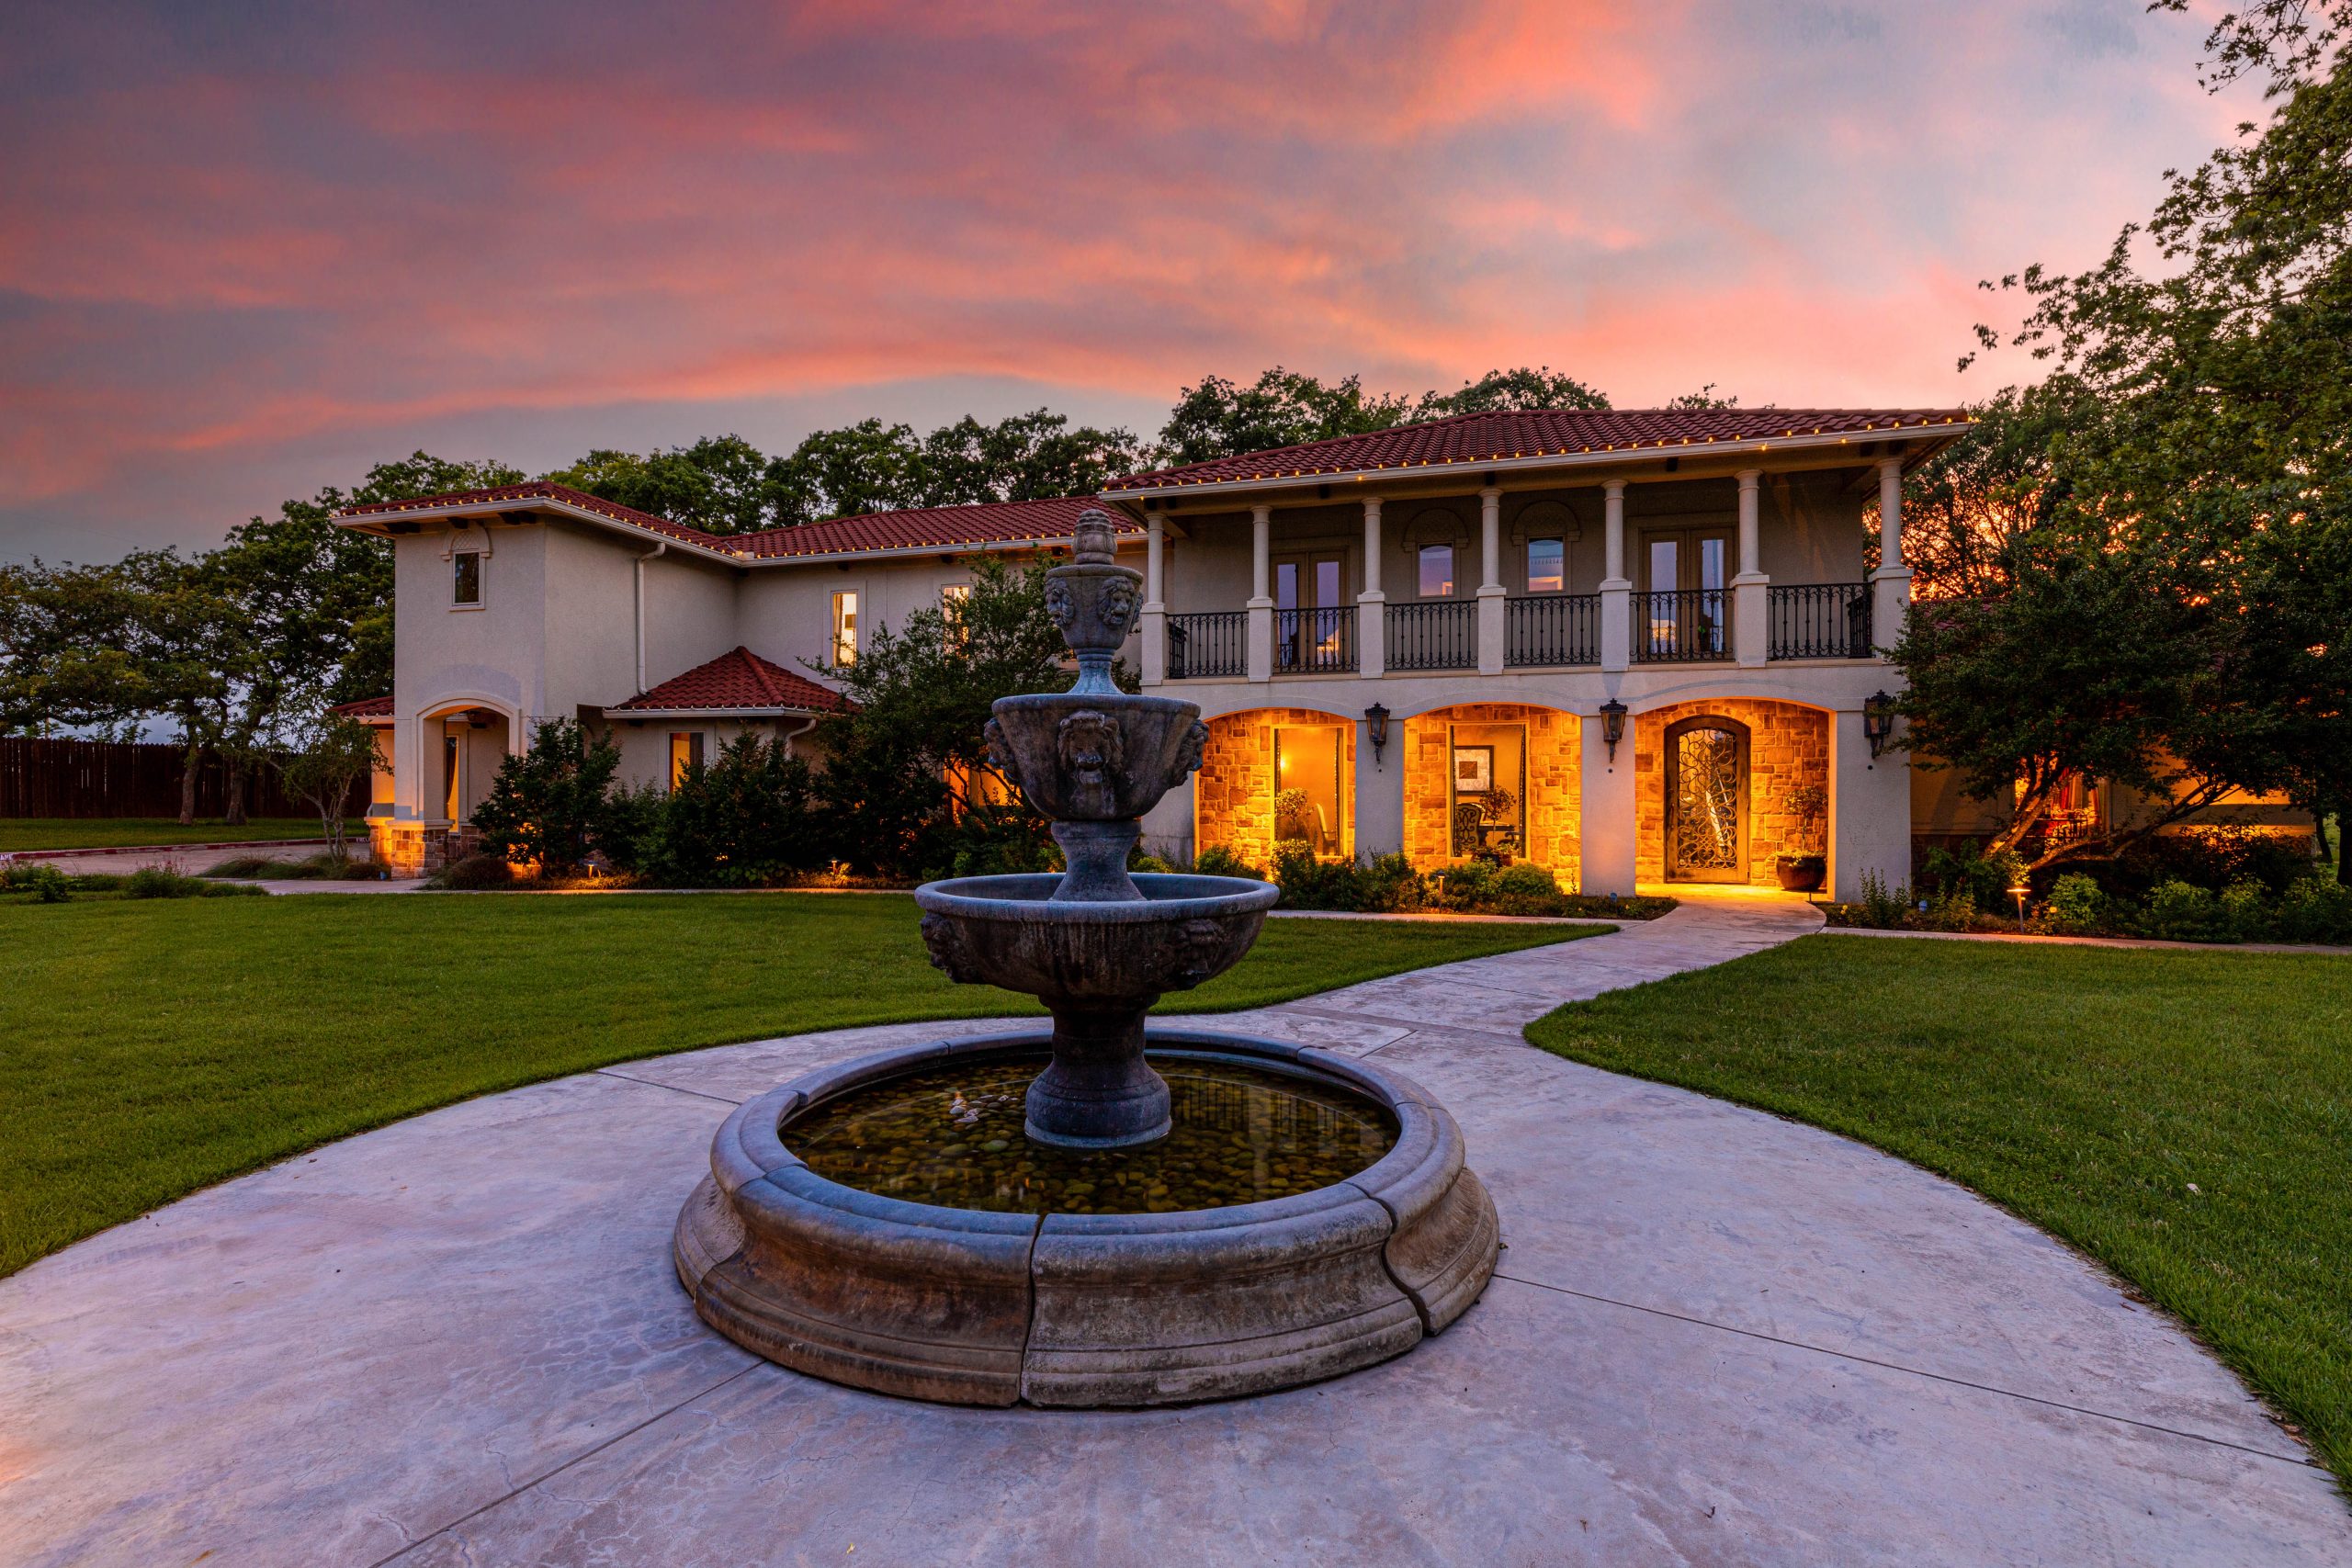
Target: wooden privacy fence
{"x":102,"y":778}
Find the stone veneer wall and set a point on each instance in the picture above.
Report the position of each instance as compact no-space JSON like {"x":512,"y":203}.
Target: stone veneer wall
{"x":1233,"y":795}
{"x":1788,"y":745}
{"x":1555,"y":784}
{"x":412,"y":850}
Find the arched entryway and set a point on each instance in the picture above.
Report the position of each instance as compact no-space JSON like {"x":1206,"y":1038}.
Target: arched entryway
{"x":1277,"y":778}
{"x":1706,"y":799}
{"x":1495,"y":780}
{"x":1724,"y":786}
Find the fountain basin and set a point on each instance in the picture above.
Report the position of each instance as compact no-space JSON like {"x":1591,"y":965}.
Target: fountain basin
{"x":986,"y":1307}
{"x":1010,"y":931}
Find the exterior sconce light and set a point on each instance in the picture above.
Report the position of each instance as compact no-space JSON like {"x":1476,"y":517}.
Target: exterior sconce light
{"x":1612,"y":725}
{"x":1878,"y":721}
{"x":1375,"y":724}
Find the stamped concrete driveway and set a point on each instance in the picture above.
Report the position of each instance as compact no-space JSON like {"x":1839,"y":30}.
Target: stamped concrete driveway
{"x":1716,"y":1338}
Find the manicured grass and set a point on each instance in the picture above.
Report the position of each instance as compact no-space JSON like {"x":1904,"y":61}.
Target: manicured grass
{"x":148,"y":1049}
{"x":117,"y":833}
{"x":2184,"y":1117}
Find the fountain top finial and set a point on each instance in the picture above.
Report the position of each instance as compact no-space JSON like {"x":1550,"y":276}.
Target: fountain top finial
{"x":1094,"y":542}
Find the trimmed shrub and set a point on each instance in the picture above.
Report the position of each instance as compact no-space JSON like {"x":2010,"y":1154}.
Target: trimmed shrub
{"x":45,"y":883}
{"x":1469,"y":885}
{"x":1391,"y":886}
{"x":1526,"y":889}
{"x":475,"y":873}
{"x":2182,"y":911}
{"x":1219,"y":861}
{"x":2246,"y":913}
{"x":746,"y":819}
{"x":2077,"y":905}
{"x":2315,"y":908}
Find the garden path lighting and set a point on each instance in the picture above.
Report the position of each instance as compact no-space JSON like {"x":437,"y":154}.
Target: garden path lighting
{"x":2019,"y":893}
{"x":1376,"y":723}
{"x":1612,"y":725}
{"x":1878,"y":721}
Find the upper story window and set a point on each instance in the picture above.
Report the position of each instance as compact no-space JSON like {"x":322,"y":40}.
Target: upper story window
{"x":1437,"y":571}
{"x":1547,"y":565}
{"x":845,"y":627}
{"x":465,"y":578}
{"x":685,"y":754}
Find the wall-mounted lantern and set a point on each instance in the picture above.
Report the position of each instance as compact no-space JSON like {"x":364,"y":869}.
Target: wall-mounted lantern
{"x":1375,"y":724}
{"x":1612,"y":725}
{"x":1878,"y":721}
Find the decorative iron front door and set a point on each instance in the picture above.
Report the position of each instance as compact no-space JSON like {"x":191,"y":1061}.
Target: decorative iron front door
{"x":1706,"y":800}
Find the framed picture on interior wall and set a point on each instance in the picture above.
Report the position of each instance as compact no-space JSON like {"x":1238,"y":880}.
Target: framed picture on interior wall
{"x":1474,"y":770}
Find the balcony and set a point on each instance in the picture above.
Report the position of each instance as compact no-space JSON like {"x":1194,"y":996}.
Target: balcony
{"x":1542,"y":629}
{"x":1685,"y":626}
{"x":1316,"y":642}
{"x":1215,"y":643}
{"x":1433,"y":633}
{"x":1819,"y":620}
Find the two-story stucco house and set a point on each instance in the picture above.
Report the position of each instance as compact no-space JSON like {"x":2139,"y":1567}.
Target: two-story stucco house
{"x":1627,"y":646}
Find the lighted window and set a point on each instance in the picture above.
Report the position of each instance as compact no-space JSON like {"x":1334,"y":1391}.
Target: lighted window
{"x":1437,"y":571}
{"x":845,"y":628}
{"x":1547,"y":565}
{"x":465,"y":578}
{"x":453,"y":772}
{"x":1310,"y":788}
{"x":686,"y":753}
{"x":954,"y":600}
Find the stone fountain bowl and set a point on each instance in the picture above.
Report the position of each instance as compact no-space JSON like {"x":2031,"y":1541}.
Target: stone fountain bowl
{"x":1085,"y":1310}
{"x":1002,"y":930}
{"x":1096,"y":757}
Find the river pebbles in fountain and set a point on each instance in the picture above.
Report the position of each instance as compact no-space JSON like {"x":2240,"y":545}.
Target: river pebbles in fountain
{"x":952,"y":1137}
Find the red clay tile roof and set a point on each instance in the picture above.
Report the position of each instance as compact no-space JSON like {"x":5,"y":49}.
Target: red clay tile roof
{"x":1493,"y":437}
{"x":928,"y":527}
{"x":365,"y":709}
{"x":739,"y":679}
{"x":944,"y":527}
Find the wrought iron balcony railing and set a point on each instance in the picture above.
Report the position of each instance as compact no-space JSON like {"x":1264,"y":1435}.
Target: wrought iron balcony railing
{"x":1212,"y":643}
{"x":1819,"y":620}
{"x":1683,"y":626}
{"x":1315,"y":642}
{"x":1551,"y":628}
{"x":1433,"y":633}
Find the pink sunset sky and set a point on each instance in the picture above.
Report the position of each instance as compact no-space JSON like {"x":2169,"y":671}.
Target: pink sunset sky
{"x":247,"y":251}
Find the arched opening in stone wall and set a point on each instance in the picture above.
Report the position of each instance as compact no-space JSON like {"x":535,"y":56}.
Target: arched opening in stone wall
{"x":1494,"y":781}
{"x":1277,"y":778}
{"x":1754,"y":766}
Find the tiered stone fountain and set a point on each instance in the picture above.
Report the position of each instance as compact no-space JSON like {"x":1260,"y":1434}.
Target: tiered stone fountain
{"x":920,"y":1223}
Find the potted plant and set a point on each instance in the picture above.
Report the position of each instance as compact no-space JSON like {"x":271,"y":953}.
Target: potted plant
{"x":1804,"y":868}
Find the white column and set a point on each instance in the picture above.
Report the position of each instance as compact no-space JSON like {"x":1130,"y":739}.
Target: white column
{"x":1261,"y":598}
{"x":1890,"y":583}
{"x":1492,"y":594}
{"x":1372,"y":605}
{"x":1605,"y":829}
{"x":1151,"y":625}
{"x":1750,"y":590}
{"x":1616,"y":592}
{"x":1869,"y":811}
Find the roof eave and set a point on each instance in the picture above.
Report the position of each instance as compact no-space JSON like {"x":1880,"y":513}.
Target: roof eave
{"x":375,"y":523}
{"x":1924,"y":439}
{"x":626,"y":713}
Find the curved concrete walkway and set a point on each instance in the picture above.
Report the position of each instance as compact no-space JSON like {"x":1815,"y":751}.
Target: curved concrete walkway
{"x":1717,"y":1337}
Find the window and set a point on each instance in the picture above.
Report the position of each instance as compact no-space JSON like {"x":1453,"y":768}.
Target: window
{"x":845,"y":628}
{"x":453,"y":771}
{"x":685,"y":752}
{"x":1437,"y":571}
{"x":465,"y":578}
{"x":1487,"y":793}
{"x":1547,"y":562}
{"x":1310,"y":791}
{"x":954,"y":599}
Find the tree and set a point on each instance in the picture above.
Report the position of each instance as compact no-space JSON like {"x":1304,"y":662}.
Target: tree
{"x":1499,"y":392}
{"x":1027,"y":457}
{"x":1281,"y":408}
{"x":911,"y":763}
{"x":336,"y":756}
{"x":554,"y":805}
{"x":718,"y":484}
{"x":748,"y":818}
{"x":2198,"y":406}
{"x":1704,"y":398}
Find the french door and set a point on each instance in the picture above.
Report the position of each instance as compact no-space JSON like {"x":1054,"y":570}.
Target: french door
{"x":1312,"y":619}
{"x":1685,"y":610}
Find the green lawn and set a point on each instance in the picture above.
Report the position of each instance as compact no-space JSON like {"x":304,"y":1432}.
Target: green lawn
{"x":116,"y":832}
{"x":2184,"y":1117}
{"x":148,"y":1049}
